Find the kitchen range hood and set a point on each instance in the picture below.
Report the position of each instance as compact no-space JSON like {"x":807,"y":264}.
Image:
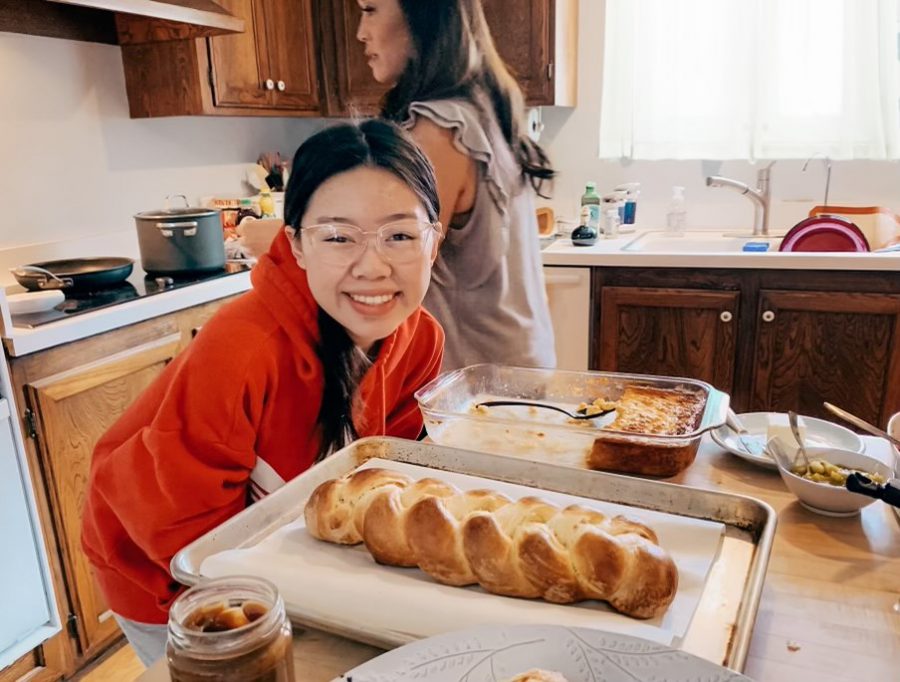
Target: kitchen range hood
{"x":143,"y":21}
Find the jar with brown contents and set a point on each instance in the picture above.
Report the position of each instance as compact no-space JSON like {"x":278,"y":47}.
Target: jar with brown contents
{"x":233,"y":629}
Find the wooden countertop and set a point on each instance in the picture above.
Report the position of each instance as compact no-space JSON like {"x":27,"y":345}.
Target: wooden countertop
{"x":830,"y":609}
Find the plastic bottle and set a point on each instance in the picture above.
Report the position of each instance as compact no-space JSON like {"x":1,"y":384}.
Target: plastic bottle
{"x":266,"y":204}
{"x":676,"y":218}
{"x":611,"y":222}
{"x":591,"y":199}
{"x":632,"y":190}
{"x":609,"y":202}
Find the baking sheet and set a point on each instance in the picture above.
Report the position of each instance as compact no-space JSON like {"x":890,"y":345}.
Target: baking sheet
{"x":345,"y":582}
{"x":722,"y":624}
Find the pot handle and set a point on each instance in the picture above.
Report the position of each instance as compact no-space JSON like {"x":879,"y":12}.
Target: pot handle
{"x":175,"y":196}
{"x":189,"y":227}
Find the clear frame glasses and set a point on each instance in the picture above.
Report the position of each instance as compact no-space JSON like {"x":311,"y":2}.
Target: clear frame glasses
{"x":398,"y":242}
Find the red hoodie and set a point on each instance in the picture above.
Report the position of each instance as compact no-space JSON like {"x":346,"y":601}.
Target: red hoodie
{"x":233,"y":416}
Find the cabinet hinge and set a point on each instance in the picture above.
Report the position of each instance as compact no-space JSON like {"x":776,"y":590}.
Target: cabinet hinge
{"x":30,"y":429}
{"x":72,"y":625}
{"x":550,"y":71}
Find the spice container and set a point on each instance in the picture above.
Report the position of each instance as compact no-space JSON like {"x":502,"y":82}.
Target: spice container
{"x":233,"y":629}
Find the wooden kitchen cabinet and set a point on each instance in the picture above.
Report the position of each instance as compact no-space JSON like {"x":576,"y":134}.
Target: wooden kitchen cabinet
{"x":71,"y":410}
{"x":670,"y":332}
{"x":839,"y":347}
{"x":536,"y":38}
{"x":69,"y":396}
{"x":773,"y":339}
{"x":271,"y":69}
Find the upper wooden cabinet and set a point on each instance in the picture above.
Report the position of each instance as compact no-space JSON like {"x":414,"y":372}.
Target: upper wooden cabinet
{"x":536,"y":38}
{"x":271,"y":69}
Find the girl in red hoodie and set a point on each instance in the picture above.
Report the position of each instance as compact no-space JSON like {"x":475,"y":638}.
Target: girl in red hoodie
{"x":330,"y":345}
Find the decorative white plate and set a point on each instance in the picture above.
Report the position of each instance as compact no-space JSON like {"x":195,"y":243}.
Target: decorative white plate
{"x":499,"y":653}
{"x":819,"y":433}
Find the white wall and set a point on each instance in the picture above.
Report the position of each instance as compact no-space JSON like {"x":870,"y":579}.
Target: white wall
{"x":75,"y":168}
{"x":571,"y":137}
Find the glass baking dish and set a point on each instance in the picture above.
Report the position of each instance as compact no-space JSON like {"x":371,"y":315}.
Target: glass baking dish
{"x":448,"y":407}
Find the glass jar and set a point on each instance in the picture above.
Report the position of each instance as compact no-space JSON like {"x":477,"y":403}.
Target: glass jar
{"x":233,"y":629}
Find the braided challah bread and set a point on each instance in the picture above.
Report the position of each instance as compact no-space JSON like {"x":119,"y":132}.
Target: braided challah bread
{"x":526,"y":548}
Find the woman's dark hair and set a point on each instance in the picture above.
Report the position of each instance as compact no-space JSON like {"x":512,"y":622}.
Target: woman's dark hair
{"x":335,"y":150}
{"x":455,"y":56}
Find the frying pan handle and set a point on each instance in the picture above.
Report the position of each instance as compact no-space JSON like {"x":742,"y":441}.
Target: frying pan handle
{"x":47,"y":280}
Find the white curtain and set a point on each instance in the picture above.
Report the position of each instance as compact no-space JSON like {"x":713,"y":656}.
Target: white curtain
{"x":750,"y":79}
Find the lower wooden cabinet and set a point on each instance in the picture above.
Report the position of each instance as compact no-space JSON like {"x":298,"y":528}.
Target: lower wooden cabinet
{"x":839,"y":347}
{"x":671,"y":332}
{"x":68,"y":397}
{"x":774,"y":340}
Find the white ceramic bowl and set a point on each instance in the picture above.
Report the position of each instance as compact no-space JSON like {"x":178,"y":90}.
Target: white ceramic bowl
{"x":832,"y":500}
{"x":893,"y":428}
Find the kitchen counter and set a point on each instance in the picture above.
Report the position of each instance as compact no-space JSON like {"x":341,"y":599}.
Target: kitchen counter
{"x":608,"y":252}
{"x":829,"y":609}
{"x":21,"y":341}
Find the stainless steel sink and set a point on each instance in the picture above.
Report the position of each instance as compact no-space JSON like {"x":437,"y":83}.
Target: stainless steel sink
{"x":696,"y":241}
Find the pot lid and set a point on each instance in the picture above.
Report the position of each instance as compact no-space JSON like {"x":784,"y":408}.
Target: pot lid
{"x":168,"y":213}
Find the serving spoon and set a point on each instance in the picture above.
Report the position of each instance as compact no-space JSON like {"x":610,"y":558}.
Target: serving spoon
{"x":794,"y":421}
{"x":526,"y":403}
{"x":861,"y":424}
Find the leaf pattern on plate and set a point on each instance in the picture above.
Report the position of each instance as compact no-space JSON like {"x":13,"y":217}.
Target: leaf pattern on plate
{"x":496,"y":654}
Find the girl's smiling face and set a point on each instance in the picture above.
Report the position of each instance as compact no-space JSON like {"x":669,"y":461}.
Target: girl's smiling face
{"x":384,"y":33}
{"x":368,"y":294}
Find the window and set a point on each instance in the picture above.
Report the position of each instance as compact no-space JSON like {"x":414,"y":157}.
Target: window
{"x":749,"y":79}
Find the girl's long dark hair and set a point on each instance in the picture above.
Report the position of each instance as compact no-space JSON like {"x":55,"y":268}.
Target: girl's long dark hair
{"x":335,"y":150}
{"x":455,"y":56}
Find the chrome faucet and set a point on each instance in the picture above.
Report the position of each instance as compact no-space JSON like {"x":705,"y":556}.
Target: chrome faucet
{"x":827,"y":161}
{"x":760,"y":196}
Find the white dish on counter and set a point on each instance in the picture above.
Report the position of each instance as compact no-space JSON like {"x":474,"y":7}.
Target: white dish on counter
{"x":497,"y":653}
{"x":819,"y":433}
{"x":893,"y":428}
{"x":34,"y":301}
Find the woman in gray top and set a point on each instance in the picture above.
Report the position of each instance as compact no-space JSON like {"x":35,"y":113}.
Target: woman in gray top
{"x":452,"y":91}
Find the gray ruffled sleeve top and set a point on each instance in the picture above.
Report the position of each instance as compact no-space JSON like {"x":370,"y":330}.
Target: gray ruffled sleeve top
{"x":487,"y":287}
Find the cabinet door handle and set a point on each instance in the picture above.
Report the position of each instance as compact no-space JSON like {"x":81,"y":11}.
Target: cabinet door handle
{"x":768,"y":316}
{"x":270,"y":84}
{"x":281,"y":86}
{"x":726,"y":316}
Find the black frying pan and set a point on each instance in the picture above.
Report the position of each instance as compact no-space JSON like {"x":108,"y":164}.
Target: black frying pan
{"x":75,"y":274}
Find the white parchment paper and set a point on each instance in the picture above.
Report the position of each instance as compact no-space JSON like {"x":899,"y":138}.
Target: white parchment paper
{"x":343,"y":584}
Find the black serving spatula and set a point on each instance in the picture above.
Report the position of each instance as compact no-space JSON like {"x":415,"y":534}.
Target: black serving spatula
{"x":862,"y":484}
